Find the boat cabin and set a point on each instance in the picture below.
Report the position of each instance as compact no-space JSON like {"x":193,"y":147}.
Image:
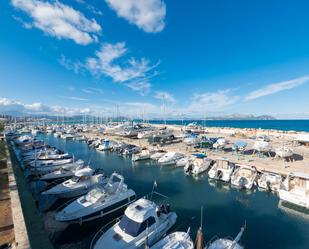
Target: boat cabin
{"x":138,"y":216}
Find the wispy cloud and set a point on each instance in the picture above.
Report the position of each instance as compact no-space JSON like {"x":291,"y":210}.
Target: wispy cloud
{"x":109,"y":61}
{"x":90,"y":7}
{"x":212,"y":101}
{"x":75,"y":66}
{"x":277,"y":87}
{"x":165,"y":96}
{"x":74,"y":98}
{"x":59,"y":20}
{"x":92,"y":90}
{"x":147,"y":15}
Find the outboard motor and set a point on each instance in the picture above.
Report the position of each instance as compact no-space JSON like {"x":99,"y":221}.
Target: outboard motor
{"x":242,"y":182}
{"x":268,"y":186}
{"x":219,"y":175}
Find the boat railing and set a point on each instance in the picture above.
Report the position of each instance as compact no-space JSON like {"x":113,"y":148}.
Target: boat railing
{"x":211,"y":241}
{"x":52,"y":184}
{"x":102,"y":230}
{"x":62,"y":206}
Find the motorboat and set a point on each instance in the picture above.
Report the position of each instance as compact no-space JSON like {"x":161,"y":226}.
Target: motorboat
{"x":191,"y":139}
{"x":81,"y":183}
{"x":79,"y":138}
{"x":227,"y":243}
{"x":130,"y":149}
{"x":284,"y":152}
{"x":197,"y":166}
{"x":57,"y":155}
{"x":143,"y":155}
{"x":157,"y":155}
{"x":62,"y":173}
{"x":295,"y":189}
{"x":221,"y":170}
{"x":269,"y":181}
{"x":239,"y":146}
{"x":42,"y":163}
{"x":99,"y":202}
{"x":244,"y":176}
{"x":175,"y":240}
{"x":262,"y":146}
{"x":67,"y":136}
{"x":142,"y":221}
{"x":51,"y":168}
{"x":220,"y":144}
{"x":263,"y":138}
{"x":105,"y":145}
{"x":145,"y":134}
{"x":183,"y":161}
{"x":170,"y":158}
{"x":302,"y":138}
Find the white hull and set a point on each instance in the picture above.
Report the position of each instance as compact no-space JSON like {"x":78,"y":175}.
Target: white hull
{"x":293,"y":198}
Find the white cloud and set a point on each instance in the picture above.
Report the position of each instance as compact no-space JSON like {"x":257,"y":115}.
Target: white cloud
{"x":108,"y":61}
{"x":12,"y":107}
{"x":92,"y":90}
{"x":59,"y":20}
{"x":277,"y":87}
{"x":165,"y":96}
{"x":212,"y":101}
{"x":146,"y":14}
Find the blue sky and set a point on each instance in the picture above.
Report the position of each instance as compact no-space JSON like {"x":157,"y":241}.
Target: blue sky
{"x":196,"y":58}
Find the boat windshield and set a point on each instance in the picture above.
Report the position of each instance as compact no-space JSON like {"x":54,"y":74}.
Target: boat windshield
{"x":134,"y":228}
{"x":94,"y":195}
{"x":75,"y":179}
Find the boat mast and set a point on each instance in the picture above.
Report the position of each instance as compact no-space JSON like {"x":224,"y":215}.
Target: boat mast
{"x":199,"y":238}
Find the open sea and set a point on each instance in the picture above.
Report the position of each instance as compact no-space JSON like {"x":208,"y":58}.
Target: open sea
{"x":270,"y":224}
{"x":285,"y":125}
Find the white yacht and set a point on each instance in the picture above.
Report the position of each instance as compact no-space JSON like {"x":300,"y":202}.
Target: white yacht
{"x":67,"y":136}
{"x":42,"y":163}
{"x":197,"y":166}
{"x":269,"y":181}
{"x":244,"y":176}
{"x":183,"y":161}
{"x":105,"y":145}
{"x":51,"y":168}
{"x":62,"y":173}
{"x":284,"y":152}
{"x":295,"y":189}
{"x":176,"y":240}
{"x":220,"y":144}
{"x":222,"y":170}
{"x":143,"y":220}
{"x":83,"y":181}
{"x":143,"y":155}
{"x":170,"y":158}
{"x":262,"y":146}
{"x":157,"y":155}
{"x":227,"y":243}
{"x":131,"y":149}
{"x":145,"y":134}
{"x":99,"y":202}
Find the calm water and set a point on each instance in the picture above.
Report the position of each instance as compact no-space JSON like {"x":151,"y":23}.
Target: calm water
{"x":225,"y":208}
{"x":286,"y":125}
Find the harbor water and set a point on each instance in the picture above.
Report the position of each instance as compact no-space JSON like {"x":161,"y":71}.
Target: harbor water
{"x":270,"y":224}
{"x":284,"y":125}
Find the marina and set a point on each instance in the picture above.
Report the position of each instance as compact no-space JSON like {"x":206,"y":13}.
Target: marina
{"x":227,"y":201}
